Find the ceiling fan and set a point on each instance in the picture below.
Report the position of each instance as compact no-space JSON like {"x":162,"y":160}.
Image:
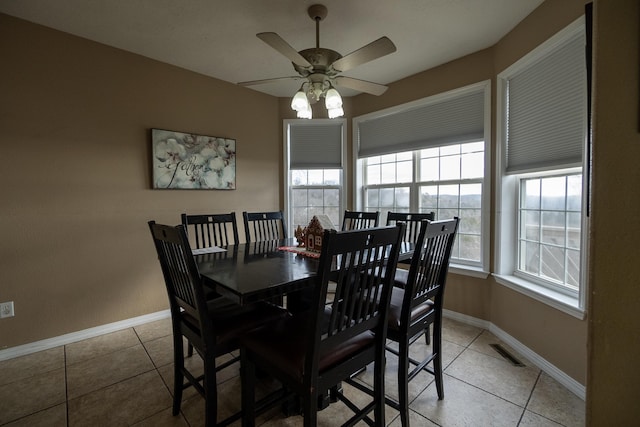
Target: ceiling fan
{"x":320,"y":68}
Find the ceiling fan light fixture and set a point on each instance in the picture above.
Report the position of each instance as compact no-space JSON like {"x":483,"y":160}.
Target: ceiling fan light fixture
{"x":306,"y":113}
{"x":300,"y":101}
{"x":335,"y":112}
{"x":332,"y":99}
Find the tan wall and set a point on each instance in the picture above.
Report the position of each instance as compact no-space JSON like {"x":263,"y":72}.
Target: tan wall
{"x":76,"y":188}
{"x":614,"y":336}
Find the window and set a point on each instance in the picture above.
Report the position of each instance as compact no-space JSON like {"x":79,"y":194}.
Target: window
{"x":436,"y":166}
{"x":314,"y":175}
{"x":314,"y":192}
{"x":542,"y":102}
{"x":549,"y":229}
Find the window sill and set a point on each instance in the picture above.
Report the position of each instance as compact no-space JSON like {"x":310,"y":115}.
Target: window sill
{"x":466,"y":270}
{"x":557,"y":300}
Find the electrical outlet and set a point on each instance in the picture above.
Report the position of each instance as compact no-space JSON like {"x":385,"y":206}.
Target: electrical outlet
{"x":6,"y":309}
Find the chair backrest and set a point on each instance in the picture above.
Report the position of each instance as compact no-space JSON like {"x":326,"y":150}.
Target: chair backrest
{"x":353,"y":220}
{"x":429,"y":265}
{"x":362,"y":264}
{"x":412,"y":221}
{"x":182,"y":279}
{"x":261,"y":226}
{"x":211,"y":229}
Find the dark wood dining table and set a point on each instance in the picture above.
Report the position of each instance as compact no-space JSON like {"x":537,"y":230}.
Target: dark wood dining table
{"x":250,"y":272}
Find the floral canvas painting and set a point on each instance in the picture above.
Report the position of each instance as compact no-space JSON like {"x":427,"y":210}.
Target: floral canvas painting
{"x":190,"y":161}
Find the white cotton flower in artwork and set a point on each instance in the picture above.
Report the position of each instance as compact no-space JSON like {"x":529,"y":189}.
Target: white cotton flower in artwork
{"x":208,"y":152}
{"x":170,"y":151}
{"x":228,"y":177}
{"x":216,"y":164}
{"x":211,"y":179}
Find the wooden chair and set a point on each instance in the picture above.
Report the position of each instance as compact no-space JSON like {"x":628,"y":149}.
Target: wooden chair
{"x":211,"y":229}
{"x":312,"y":352}
{"x":353,"y":220}
{"x":211,"y":326}
{"x":260,"y":226}
{"x":412,"y":221}
{"x":419,"y":305}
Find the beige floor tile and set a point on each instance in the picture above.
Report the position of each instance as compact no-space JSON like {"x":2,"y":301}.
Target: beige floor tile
{"x":22,"y":367}
{"x":51,"y":417}
{"x":529,"y":419}
{"x":495,"y":376}
{"x":229,"y":402}
{"x":31,"y":395}
{"x":163,"y":419}
{"x":465,"y":405}
{"x":153,"y":330}
{"x":121,"y":404}
{"x":161,"y":350}
{"x":459,"y":333}
{"x":551,"y":400}
{"x":483,"y":343}
{"x":102,"y":371}
{"x":98,"y":346}
{"x":415,"y":420}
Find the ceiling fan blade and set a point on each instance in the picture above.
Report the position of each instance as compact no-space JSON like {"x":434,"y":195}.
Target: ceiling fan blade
{"x":374,"y":50}
{"x":361,"y":85}
{"x":259,"y":82}
{"x":279,"y":44}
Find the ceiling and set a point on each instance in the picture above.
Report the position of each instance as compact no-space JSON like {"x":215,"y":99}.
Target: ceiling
{"x":217,"y":37}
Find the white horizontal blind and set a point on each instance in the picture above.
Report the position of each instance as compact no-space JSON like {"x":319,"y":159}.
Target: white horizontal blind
{"x":451,"y":121}
{"x":316,"y":146}
{"x":546,"y":116}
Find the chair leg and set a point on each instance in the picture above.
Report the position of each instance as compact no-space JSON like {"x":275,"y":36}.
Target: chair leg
{"x":437,"y":361}
{"x":310,"y":409}
{"x":178,"y":375}
{"x":211,"y":392}
{"x":427,"y":335}
{"x":403,"y":382}
{"x":190,"y":350}
{"x":378,"y":390}
{"x":248,"y":376}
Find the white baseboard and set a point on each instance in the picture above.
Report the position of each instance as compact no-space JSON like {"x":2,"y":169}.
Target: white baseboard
{"x":48,"y":343}
{"x":572,"y":385}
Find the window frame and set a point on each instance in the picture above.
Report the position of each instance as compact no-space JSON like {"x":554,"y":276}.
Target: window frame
{"x":288,"y":186}
{"x":475,"y":269}
{"x":507,"y":191}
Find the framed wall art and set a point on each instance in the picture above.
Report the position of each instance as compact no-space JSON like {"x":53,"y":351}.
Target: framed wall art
{"x":191,"y":161}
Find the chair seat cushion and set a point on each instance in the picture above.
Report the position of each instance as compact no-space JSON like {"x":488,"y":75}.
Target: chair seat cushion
{"x":231,"y":320}
{"x":284,"y":344}
{"x":400,"y":278}
{"x":395,"y":309}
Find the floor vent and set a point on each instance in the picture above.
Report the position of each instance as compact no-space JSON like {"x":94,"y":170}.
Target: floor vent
{"x":504,"y":353}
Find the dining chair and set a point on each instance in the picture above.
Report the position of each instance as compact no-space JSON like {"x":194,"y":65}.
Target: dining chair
{"x":419,"y":305}
{"x":211,"y":229}
{"x":412,"y":221}
{"x":312,"y":352}
{"x":354,"y":220}
{"x":213,"y":327}
{"x":260,"y":226}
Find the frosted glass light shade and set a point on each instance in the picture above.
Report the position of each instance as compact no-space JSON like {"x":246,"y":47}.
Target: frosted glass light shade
{"x":332,"y":99}
{"x":300,"y":101}
{"x":335,"y":112}
{"x":305,"y":113}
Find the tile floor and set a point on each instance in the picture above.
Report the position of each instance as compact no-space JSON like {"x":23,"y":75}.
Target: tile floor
{"x":124,"y":379}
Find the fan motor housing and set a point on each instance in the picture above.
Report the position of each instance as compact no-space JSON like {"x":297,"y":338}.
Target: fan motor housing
{"x":320,"y":58}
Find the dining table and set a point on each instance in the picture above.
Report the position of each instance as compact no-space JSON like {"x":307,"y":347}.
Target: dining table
{"x":257,"y":271}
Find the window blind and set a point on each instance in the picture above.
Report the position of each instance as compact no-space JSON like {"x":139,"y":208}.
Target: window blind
{"x":452,"y":121}
{"x":315,"y":146}
{"x":547,"y":110}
